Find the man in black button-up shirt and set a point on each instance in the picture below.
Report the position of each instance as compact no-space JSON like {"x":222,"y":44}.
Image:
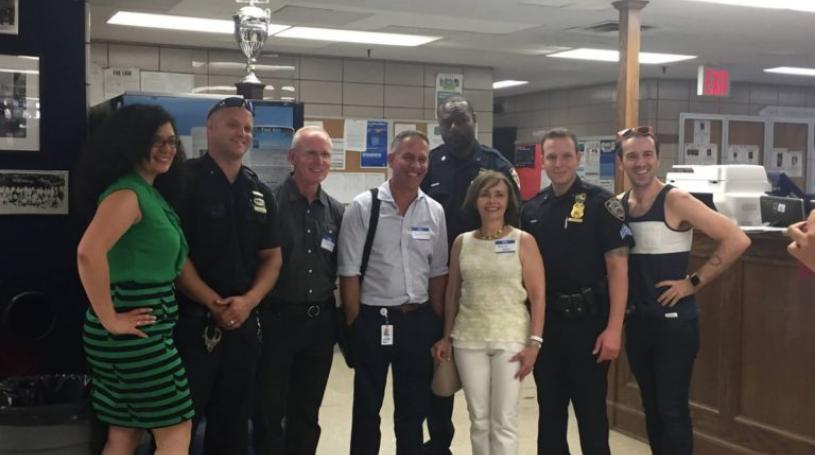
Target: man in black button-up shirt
{"x":230,"y":221}
{"x":298,"y":319}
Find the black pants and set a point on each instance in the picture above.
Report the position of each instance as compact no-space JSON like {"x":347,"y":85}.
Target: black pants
{"x":440,"y":425}
{"x":297,"y":352}
{"x":414,"y":334}
{"x":221,"y":381}
{"x":661,"y":353}
{"x":440,"y":422}
{"x":566,"y":370}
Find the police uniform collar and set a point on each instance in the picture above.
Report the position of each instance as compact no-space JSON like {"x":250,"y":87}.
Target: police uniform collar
{"x":475,"y":155}
{"x":294,"y":192}
{"x":209,"y":166}
{"x":577,"y":185}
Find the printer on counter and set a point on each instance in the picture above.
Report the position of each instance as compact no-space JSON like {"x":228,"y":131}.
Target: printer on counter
{"x":736,"y":189}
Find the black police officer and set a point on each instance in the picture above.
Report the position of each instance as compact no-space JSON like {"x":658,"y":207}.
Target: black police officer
{"x":584,"y":243}
{"x":298,"y":346}
{"x":229,"y":218}
{"x":453,"y":165}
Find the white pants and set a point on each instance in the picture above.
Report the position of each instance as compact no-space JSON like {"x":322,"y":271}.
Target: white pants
{"x":493,"y":397}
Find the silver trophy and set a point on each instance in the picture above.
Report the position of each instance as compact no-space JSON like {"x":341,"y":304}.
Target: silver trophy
{"x":251,"y":31}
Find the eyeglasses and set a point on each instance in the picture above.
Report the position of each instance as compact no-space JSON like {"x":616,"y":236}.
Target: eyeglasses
{"x":646,"y":131}
{"x":172,"y":142}
{"x":232,"y":101}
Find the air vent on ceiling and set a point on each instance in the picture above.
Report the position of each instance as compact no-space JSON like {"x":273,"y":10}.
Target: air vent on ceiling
{"x":610,"y":27}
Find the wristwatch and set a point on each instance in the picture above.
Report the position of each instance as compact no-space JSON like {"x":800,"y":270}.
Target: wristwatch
{"x":694,"y":280}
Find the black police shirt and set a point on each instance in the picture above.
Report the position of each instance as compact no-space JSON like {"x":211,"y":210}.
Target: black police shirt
{"x":448,"y":179}
{"x":308,"y":237}
{"x":226,"y":225}
{"x":574,"y":231}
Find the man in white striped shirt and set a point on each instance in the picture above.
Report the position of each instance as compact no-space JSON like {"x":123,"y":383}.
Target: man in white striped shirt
{"x":394,"y":312}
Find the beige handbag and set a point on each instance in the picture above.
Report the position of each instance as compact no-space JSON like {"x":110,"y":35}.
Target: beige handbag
{"x":445,"y":377}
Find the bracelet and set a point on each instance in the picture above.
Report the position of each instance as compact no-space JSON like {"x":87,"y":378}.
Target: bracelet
{"x":536,"y":338}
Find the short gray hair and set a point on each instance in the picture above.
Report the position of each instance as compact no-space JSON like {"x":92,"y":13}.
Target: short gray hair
{"x":407,"y":134}
{"x":295,"y":140}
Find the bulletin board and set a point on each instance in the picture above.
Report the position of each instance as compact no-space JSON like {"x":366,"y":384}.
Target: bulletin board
{"x":352,"y":178}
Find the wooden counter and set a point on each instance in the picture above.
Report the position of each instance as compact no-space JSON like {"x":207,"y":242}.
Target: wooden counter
{"x":753,"y":388}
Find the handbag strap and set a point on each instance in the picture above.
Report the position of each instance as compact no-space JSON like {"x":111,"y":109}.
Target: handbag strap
{"x":369,"y":239}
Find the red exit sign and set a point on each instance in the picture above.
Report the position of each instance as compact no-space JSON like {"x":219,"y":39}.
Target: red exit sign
{"x":713,"y":82}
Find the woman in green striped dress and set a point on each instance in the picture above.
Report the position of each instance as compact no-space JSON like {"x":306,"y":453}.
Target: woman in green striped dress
{"x":128,"y":258}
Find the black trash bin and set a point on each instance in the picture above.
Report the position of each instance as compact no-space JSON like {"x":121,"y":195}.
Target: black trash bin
{"x":46,"y":415}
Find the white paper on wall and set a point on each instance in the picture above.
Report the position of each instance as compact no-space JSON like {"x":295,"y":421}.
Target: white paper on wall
{"x":701,"y":154}
{"x":701,"y":132}
{"x":741,"y":154}
{"x":338,"y":154}
{"x":355,"y":135}
{"x":775,"y":162}
{"x":794,"y":163}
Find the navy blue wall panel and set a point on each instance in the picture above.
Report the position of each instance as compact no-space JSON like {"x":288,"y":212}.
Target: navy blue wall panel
{"x":37,"y":253}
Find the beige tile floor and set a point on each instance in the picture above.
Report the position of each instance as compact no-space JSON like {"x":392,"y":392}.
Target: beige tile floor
{"x":335,"y":420}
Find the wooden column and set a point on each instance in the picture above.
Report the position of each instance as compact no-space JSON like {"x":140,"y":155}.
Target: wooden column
{"x":628,"y":81}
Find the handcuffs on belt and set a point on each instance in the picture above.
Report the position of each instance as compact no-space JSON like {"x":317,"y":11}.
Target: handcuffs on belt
{"x":210,"y":341}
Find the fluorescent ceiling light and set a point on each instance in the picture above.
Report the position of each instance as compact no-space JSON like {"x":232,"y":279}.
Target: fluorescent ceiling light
{"x":794,"y":5}
{"x":791,"y":70}
{"x":355,"y":36}
{"x":507,"y":83}
{"x":185,"y":23}
{"x":605,"y":55}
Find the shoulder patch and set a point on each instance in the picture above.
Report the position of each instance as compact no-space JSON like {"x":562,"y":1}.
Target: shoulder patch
{"x":615,"y":208}
{"x":515,"y":177}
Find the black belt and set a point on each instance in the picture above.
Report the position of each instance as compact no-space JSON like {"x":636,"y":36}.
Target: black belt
{"x":574,"y":304}
{"x":310,"y":310}
{"x":403,"y":308}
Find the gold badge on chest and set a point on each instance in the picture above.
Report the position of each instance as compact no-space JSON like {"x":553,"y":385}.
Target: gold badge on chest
{"x":578,"y":209}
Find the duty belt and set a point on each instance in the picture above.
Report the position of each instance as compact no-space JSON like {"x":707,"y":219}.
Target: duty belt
{"x":574,"y":304}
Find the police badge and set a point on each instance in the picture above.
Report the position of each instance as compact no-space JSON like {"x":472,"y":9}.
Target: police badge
{"x":578,"y":209}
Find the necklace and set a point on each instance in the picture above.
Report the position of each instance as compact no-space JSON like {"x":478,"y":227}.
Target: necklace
{"x":494,"y":236}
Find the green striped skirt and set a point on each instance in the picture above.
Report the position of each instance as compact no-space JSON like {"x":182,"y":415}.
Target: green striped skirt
{"x":138,"y":382}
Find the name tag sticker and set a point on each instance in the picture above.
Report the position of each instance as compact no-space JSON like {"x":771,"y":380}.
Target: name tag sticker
{"x":671,"y":315}
{"x":505,"y":246}
{"x":420,"y":233}
{"x":386,"y":338}
{"x":328,"y":243}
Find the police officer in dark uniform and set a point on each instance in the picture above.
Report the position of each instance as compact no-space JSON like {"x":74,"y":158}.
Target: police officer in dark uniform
{"x":584,"y":242}
{"x":230,"y":221}
{"x":298,"y":318}
{"x":452,"y":167}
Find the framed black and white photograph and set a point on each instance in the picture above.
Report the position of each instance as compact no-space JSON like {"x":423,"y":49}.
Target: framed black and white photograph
{"x":9,"y":16}
{"x":33,"y":192}
{"x":19,"y":103}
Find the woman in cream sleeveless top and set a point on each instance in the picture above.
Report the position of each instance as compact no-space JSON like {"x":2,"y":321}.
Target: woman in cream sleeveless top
{"x":494,"y":271}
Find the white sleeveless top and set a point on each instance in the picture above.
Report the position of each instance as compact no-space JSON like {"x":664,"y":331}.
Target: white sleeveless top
{"x":492,"y":306}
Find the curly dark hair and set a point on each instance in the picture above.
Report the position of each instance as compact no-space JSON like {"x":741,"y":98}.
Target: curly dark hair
{"x":120,"y":144}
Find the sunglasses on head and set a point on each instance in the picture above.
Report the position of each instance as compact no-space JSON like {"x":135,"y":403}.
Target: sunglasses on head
{"x":232,"y":101}
{"x":635,"y":132}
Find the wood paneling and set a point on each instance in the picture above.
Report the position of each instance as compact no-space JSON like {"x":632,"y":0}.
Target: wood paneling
{"x":753,"y":387}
